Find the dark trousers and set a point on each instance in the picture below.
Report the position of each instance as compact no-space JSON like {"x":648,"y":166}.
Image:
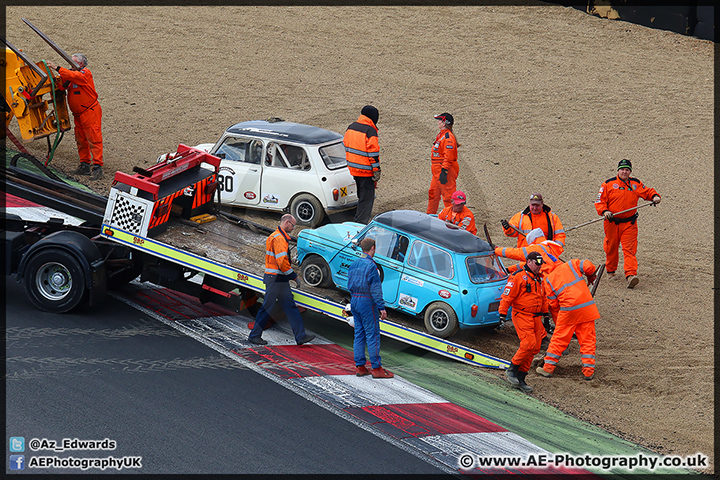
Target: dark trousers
{"x":366,"y":197}
{"x":280,"y":292}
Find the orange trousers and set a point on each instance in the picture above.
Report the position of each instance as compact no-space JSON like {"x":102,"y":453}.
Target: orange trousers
{"x":624,"y":234}
{"x":530,"y":331}
{"x":560,"y":340}
{"x":88,"y":135}
{"x":438,"y":190}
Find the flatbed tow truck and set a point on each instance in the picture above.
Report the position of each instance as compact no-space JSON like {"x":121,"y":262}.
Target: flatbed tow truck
{"x":163,"y":225}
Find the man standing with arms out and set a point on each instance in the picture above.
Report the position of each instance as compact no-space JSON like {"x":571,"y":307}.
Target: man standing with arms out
{"x":617,"y":194}
{"x":368,"y":308}
{"x":362,"y":152}
{"x":444,"y":165}
{"x":524,"y":292}
{"x":458,"y":214}
{"x":567,"y":293}
{"x":87,"y":114}
{"x":536,"y":215}
{"x":278,"y":272}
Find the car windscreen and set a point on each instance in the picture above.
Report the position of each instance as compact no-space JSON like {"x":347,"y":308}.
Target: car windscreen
{"x":485,"y":268}
{"x":333,"y":155}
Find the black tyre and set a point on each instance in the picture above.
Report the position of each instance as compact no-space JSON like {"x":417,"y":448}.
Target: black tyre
{"x":441,"y":320}
{"x":54,"y":281}
{"x":316,"y":272}
{"x":307,"y":210}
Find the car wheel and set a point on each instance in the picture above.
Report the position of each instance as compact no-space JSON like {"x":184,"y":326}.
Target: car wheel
{"x":316,"y":272}
{"x":441,"y":320}
{"x":54,"y":281}
{"x":307,"y":210}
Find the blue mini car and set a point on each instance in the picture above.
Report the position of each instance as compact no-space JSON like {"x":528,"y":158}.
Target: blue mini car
{"x":449,"y":277}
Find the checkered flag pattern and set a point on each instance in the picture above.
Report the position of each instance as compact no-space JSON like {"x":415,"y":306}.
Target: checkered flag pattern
{"x":128,"y":215}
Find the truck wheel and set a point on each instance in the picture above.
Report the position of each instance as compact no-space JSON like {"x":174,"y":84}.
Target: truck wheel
{"x":54,"y":281}
{"x":307,"y":210}
{"x":316,"y":272}
{"x":441,"y":320}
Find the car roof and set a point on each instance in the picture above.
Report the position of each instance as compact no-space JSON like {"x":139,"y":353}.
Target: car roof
{"x":433,"y":230}
{"x":288,"y":131}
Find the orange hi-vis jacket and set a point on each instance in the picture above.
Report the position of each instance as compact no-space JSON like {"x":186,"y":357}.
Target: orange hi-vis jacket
{"x":616,"y":195}
{"x":444,"y":150}
{"x":524,"y":292}
{"x":463,"y":219}
{"x":277,"y":258}
{"x":567,"y":292}
{"x":81,"y":91}
{"x":548,"y":249}
{"x":362,"y":149}
{"x":547,"y":221}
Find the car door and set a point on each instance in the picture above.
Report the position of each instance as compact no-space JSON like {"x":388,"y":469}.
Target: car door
{"x":389,"y":259}
{"x":240,"y":170}
{"x":286,"y":171}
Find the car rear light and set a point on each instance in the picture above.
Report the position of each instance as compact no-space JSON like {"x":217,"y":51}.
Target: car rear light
{"x":473,"y":310}
{"x":210,"y":188}
{"x":162,"y":210}
{"x":336,"y":194}
{"x":493,"y":307}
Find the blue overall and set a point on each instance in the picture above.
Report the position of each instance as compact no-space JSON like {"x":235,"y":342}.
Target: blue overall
{"x":365,"y":305}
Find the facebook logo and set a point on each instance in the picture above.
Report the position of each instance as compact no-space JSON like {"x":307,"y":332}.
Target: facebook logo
{"x":17,"y":462}
{"x":17,"y":444}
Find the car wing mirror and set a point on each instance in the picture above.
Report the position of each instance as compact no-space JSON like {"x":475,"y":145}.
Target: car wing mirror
{"x":355,"y":242}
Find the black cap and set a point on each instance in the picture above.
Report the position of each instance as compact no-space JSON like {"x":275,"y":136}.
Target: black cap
{"x":445,"y":116}
{"x":625,"y":163}
{"x":370,"y":112}
{"x":536,"y":257}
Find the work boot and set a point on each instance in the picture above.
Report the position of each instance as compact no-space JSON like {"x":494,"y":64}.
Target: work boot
{"x":512,"y":374}
{"x":610,"y":275}
{"x":306,"y":339}
{"x":589,"y":377}
{"x":542,"y":372}
{"x":381,"y":373}
{"x":96,"y":173}
{"x":257,"y":341}
{"x":521,"y":382}
{"x":83,"y":169}
{"x":361,"y":370}
{"x":632,"y":280}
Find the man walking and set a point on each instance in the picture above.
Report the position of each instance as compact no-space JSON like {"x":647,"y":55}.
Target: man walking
{"x":524,"y":292}
{"x":577,"y":312}
{"x":362,"y":152}
{"x":617,"y":194}
{"x":444,"y":165}
{"x":278,"y":272}
{"x":367,"y":308}
{"x":536,"y":215}
{"x":87,"y":114}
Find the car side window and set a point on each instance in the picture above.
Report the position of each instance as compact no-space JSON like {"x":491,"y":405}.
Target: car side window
{"x":296,"y":157}
{"x":385,"y":241}
{"x":431,"y":259}
{"x":240,"y":150}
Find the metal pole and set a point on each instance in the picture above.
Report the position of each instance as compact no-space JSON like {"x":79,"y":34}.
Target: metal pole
{"x":54,"y":46}
{"x":603,"y":217}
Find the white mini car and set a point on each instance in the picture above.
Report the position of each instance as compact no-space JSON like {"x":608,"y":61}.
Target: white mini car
{"x":285,"y":167}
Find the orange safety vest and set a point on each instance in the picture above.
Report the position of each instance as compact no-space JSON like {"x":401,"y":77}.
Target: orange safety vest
{"x":277,"y":257}
{"x":463,"y":219}
{"x":547,"y":221}
{"x":524,"y":292}
{"x":567,"y":291}
{"x":616,"y":196}
{"x":444,"y":149}
{"x":362,"y":149}
{"x":81,"y":91}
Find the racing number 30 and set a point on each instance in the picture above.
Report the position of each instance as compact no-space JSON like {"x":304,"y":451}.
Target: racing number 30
{"x":225,"y":183}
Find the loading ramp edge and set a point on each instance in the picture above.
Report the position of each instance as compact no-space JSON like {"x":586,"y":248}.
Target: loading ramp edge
{"x":313,"y":302}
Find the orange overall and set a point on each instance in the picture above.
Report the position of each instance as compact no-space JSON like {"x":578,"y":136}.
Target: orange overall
{"x":463,"y":219}
{"x":443,"y":156}
{"x":524,"y":292}
{"x":547,"y":221}
{"x":616,"y":195}
{"x":87,"y":114}
{"x":567,"y":292}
